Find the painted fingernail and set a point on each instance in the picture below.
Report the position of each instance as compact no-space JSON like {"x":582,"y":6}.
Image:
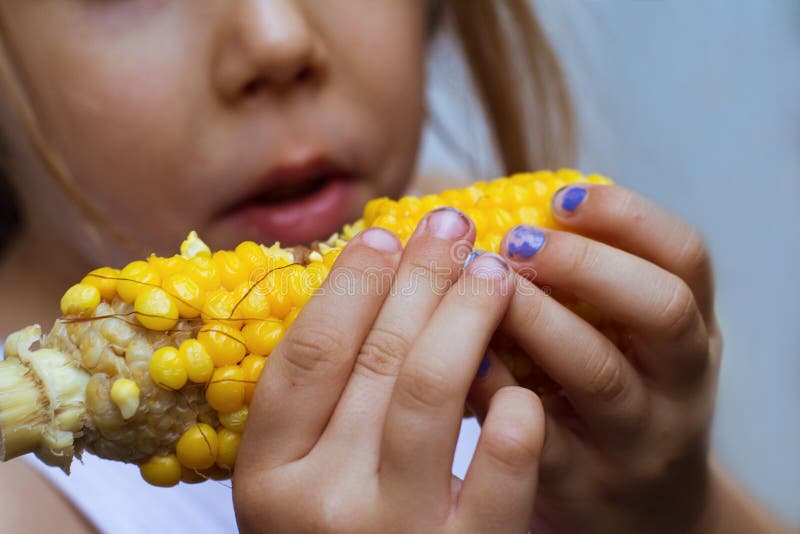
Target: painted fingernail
{"x":380,"y":239}
{"x":489,"y":266}
{"x":483,"y":369}
{"x":472,"y":255}
{"x":568,"y":198}
{"x":447,"y":223}
{"x":524,"y":241}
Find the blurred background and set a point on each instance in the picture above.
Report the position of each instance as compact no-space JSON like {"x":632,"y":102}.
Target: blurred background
{"x":696,"y":105}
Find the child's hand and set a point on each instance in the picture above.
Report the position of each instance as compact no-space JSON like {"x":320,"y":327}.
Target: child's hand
{"x":628,"y":450}
{"x":354,"y":423}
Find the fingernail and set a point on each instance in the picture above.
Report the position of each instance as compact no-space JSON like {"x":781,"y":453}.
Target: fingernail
{"x":483,"y":369}
{"x":380,"y":239}
{"x":524,"y":241}
{"x":472,"y":255}
{"x":489,"y":266}
{"x":568,"y":198}
{"x":447,"y":223}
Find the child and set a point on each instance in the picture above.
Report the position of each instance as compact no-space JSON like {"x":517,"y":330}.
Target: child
{"x":276,"y":120}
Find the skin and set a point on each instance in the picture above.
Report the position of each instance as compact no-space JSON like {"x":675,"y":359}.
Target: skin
{"x":266,"y":82}
{"x":261,"y":84}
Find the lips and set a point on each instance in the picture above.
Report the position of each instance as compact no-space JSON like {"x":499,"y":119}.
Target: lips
{"x":297,"y":204}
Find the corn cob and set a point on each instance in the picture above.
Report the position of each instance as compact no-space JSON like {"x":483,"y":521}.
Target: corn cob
{"x":155,"y":364}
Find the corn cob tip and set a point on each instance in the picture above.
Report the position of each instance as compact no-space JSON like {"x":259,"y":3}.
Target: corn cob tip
{"x":42,"y":396}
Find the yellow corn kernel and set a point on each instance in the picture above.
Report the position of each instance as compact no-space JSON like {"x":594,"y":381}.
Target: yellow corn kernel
{"x":222,"y":306}
{"x":372,"y":209}
{"x":231,"y":270}
{"x":225,"y":392}
{"x":252,"y":366}
{"x":193,"y":247}
{"x":224,"y":344}
{"x":478,"y":219}
{"x":162,"y":471}
{"x":125,"y":394}
{"x":275,"y":286}
{"x":203,"y":270}
{"x":290,"y":317}
{"x":156,"y":310}
{"x":234,"y":421}
{"x":228,"y":448}
{"x":330,"y":257}
{"x":251,"y":256}
{"x":188,"y":295}
{"x":253,"y":302}
{"x":199,"y":365}
{"x":262,"y":336}
{"x":105,"y":280}
{"x":192,"y":476}
{"x":297,"y":284}
{"x":198,"y":447}
{"x":135,"y":277}
{"x":315,"y":274}
{"x":167,"y":368}
{"x":80,"y":299}
{"x":166,"y":267}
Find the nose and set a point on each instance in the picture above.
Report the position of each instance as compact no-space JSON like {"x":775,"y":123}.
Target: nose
{"x":267,"y":45}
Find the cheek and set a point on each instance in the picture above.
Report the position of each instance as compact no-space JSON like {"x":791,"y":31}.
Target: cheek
{"x":118,"y":114}
{"x":381,"y":51}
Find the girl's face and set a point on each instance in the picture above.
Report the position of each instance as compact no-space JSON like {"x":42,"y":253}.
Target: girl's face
{"x":241,"y":119}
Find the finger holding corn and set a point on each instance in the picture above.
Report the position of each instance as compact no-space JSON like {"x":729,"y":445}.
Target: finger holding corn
{"x":156,"y":363}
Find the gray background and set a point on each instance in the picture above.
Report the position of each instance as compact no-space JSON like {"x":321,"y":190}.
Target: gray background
{"x":697,"y":105}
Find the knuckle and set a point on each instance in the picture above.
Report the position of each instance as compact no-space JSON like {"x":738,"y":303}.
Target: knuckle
{"x":314,"y":349}
{"x":532,"y":315}
{"x":513,"y":449}
{"x":582,"y":256}
{"x":382,"y":353}
{"x":604,"y":377}
{"x":625,"y":208}
{"x":693,"y":257}
{"x":430,"y":271}
{"x":425,"y":387}
{"x":360,"y":277}
{"x":678,"y":314}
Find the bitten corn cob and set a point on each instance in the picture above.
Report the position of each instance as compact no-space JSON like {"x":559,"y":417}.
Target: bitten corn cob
{"x":155,"y":364}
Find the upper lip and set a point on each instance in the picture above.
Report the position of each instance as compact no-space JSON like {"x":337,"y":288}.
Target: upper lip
{"x":268,"y":187}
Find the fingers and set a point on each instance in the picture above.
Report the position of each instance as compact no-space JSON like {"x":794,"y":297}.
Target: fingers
{"x":431,"y":263}
{"x":306,"y":373}
{"x":561,"y":445}
{"x":617,"y":215}
{"x":600,"y":382}
{"x":427,"y":403}
{"x":492,"y":376}
{"x":657,"y":306}
{"x":500,"y":485}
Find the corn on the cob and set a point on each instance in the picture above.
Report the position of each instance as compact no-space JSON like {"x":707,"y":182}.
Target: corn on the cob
{"x":155,"y":364}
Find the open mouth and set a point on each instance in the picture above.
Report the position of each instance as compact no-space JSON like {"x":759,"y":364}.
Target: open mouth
{"x":297,"y":204}
{"x":290,"y":192}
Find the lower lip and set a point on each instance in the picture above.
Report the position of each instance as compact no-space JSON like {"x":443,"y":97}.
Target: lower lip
{"x":301,"y":221}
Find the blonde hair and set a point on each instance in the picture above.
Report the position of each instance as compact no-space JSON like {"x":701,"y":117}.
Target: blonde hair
{"x":515,"y":70}
{"x":520,"y":82}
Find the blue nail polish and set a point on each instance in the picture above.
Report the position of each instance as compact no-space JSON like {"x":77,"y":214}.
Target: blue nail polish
{"x":483,"y":369}
{"x":572,"y":198}
{"x":524,"y":241}
{"x":472,"y":255}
